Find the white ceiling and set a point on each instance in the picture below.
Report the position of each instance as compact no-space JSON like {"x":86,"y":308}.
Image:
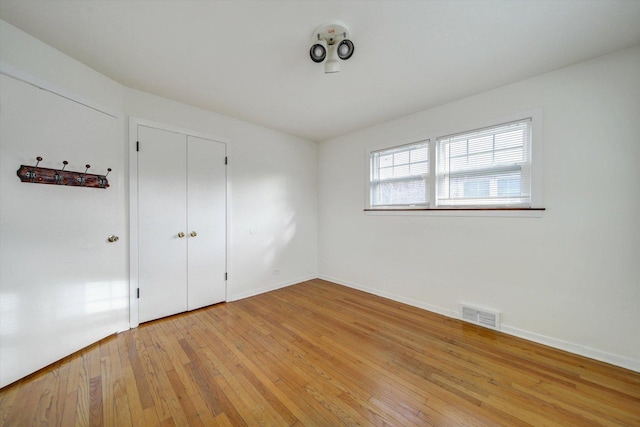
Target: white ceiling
{"x":250,"y":60}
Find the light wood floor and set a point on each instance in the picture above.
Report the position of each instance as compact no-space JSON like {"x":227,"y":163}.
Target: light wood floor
{"x":320,"y":354}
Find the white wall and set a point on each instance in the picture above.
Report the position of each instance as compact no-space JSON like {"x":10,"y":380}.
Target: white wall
{"x":272,"y":192}
{"x":571,"y":278}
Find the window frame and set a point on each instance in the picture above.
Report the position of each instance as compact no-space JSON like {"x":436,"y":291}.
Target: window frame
{"x":446,"y":178}
{"x":535,"y":208}
{"x":427,"y":177}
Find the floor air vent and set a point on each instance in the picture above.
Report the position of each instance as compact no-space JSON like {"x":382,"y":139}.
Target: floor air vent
{"x":480,"y":316}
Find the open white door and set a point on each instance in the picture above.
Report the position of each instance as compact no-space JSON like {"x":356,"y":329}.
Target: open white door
{"x":63,"y":285}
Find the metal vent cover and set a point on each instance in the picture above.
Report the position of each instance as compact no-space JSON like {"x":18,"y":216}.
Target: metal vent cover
{"x":480,"y":316}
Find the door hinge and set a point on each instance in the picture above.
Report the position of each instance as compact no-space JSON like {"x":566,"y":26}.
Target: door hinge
{"x":137,"y":145}
{"x":138,"y":293}
{"x":226,"y":160}
{"x":226,"y":276}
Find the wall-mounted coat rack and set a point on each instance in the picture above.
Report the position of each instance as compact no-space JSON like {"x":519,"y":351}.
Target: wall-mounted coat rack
{"x":39,"y":175}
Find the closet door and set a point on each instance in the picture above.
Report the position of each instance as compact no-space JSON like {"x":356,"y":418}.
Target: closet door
{"x":162,"y":219}
{"x":206,"y":185}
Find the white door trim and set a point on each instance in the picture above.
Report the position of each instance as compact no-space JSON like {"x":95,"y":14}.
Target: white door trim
{"x":134,"y":122}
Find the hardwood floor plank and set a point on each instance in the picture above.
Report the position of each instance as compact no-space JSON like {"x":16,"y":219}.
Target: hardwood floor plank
{"x":136,"y":411}
{"x":176,"y":357}
{"x":96,"y":414}
{"x":26,"y":404}
{"x":317,"y":353}
{"x":142,"y":386}
{"x":216,"y":399}
{"x":151,"y":417}
{"x":68,"y":417}
{"x":61,"y":388}
{"x":109,"y":382}
{"x":47,"y":409}
{"x":159,"y":393}
{"x":191,"y":414}
{"x":83,"y":387}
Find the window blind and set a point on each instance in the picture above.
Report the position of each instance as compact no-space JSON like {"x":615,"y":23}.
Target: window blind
{"x":486,"y":167}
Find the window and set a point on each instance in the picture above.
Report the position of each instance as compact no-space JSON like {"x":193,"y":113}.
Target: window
{"x":488,"y":167}
{"x":400,"y":176}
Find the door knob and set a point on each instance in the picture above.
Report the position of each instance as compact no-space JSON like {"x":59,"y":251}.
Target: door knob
{"x":181,"y":234}
{"x":193,"y":234}
{"x":112,"y":238}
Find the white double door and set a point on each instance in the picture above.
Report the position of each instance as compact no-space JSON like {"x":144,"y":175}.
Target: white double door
{"x":181,"y":222}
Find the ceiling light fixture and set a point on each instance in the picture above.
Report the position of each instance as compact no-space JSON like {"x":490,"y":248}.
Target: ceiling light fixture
{"x":329,"y":40}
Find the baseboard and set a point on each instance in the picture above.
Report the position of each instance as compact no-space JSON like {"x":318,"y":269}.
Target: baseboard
{"x":581,"y":350}
{"x":591,"y":353}
{"x":269,"y":288}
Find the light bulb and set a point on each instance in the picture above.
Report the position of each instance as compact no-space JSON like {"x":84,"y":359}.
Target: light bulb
{"x":318,"y":51}
{"x":345,"y":49}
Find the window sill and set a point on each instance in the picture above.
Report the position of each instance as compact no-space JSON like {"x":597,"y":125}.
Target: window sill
{"x":471,"y":212}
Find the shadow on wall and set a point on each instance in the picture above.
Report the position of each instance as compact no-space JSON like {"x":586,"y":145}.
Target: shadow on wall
{"x":273,"y":225}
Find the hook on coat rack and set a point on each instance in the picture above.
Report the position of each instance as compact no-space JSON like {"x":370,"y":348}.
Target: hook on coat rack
{"x":81,"y":179}
{"x":31,"y":174}
{"x":58,"y":175}
{"x":39,"y":175}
